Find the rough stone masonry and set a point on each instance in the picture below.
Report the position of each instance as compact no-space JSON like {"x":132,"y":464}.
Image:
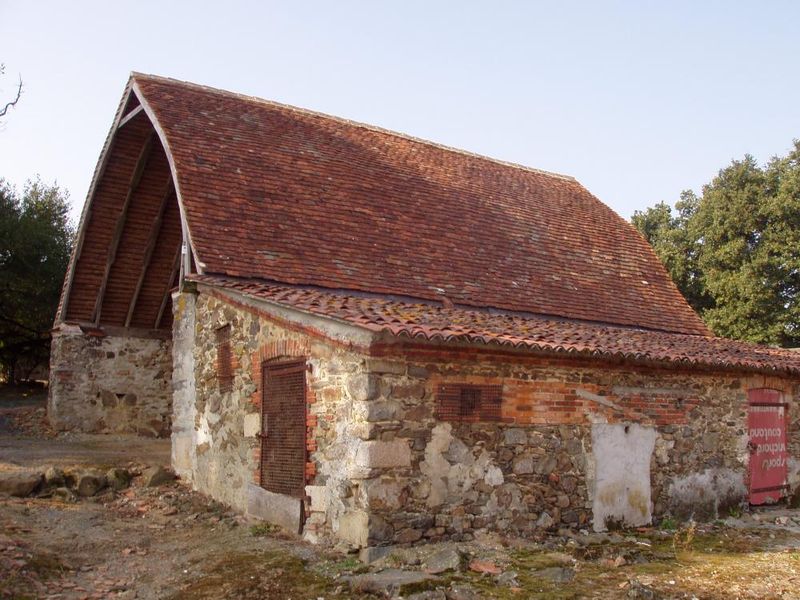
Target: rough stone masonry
{"x":107,"y":383}
{"x":578,"y":444}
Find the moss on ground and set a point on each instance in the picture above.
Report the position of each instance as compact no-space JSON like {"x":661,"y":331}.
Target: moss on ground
{"x":268,"y":575}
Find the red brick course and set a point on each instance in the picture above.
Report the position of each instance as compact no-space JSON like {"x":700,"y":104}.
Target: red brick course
{"x":487,"y":331}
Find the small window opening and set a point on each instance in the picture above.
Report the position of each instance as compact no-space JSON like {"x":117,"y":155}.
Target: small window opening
{"x":224,"y":359}
{"x":467,"y":403}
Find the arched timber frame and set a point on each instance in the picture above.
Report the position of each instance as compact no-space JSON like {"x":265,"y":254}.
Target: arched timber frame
{"x":133,"y":245}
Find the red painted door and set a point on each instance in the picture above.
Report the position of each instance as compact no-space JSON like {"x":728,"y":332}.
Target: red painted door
{"x":766,"y":424}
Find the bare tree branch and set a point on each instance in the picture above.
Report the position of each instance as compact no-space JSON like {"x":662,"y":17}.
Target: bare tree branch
{"x":8,"y":105}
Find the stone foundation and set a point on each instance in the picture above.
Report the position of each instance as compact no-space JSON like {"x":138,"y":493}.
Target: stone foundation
{"x":104,"y":383}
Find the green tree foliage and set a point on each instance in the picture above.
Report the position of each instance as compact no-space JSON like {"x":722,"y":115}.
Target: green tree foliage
{"x":734,"y":252}
{"x":35,"y":240}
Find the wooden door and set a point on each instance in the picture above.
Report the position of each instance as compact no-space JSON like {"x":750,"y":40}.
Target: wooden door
{"x":766,"y":426}
{"x":283,"y":428}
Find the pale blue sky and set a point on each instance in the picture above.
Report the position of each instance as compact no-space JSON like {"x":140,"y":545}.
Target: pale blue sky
{"x":637,"y":100}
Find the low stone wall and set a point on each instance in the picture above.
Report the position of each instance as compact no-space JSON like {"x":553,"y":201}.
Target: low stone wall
{"x":103,"y":383}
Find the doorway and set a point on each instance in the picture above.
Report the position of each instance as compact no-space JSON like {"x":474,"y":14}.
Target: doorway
{"x":766,"y":427}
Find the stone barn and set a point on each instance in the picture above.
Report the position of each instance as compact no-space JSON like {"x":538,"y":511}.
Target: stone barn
{"x":368,"y":337}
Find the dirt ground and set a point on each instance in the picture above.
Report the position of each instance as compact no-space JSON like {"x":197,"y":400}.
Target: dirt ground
{"x":169,"y":542}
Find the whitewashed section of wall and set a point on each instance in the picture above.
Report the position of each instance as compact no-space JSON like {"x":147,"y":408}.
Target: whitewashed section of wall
{"x":184,"y":441}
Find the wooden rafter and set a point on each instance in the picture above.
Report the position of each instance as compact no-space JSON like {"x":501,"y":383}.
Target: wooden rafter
{"x":138,"y":170}
{"x":87,"y":209}
{"x":151,"y":245}
{"x":175,"y":266}
{"x":131,"y":115}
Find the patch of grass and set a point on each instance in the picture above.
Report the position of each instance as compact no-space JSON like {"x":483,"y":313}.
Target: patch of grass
{"x":260,"y":575}
{"x":668,"y":524}
{"x":263,"y":529}
{"x":335,"y":568}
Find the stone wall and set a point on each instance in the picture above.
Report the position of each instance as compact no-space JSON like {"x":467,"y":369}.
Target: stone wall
{"x":104,"y":383}
{"x":225,"y":426}
{"x":579,"y":444}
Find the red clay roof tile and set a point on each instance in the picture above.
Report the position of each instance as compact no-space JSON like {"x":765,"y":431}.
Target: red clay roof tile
{"x":288,"y":195}
{"x":432,"y":321}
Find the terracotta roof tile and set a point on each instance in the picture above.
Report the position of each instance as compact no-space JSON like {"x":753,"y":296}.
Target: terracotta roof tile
{"x":432,"y":321}
{"x":288,"y":195}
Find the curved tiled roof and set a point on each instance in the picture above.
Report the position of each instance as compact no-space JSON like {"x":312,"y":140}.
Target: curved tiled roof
{"x":435,"y":322}
{"x":278,"y":193}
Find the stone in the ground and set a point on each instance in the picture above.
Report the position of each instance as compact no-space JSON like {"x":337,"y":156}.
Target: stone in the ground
{"x":88,"y":483}
{"x":446,"y":559}
{"x":370,"y":554}
{"x":389,"y":582}
{"x":118,"y":479}
{"x":54,"y":477}
{"x":155,"y":476}
{"x":484,"y":566}
{"x":638,"y":590}
{"x":428,"y":595}
{"x":19,"y":484}
{"x":462,"y":591}
{"x":65,"y":494}
{"x":508,"y":579}
{"x":556,"y":574}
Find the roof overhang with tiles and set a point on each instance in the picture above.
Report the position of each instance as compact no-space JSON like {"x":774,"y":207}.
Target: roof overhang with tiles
{"x":408,"y":320}
{"x":198,"y":182}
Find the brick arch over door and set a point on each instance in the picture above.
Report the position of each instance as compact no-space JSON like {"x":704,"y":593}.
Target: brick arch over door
{"x":126,"y":259}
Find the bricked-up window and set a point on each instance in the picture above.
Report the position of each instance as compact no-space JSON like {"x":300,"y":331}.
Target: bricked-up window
{"x":224,"y":359}
{"x":467,"y":403}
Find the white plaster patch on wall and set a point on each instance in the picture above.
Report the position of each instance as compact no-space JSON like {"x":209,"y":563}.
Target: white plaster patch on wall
{"x":184,"y":435}
{"x":203,"y":432}
{"x":742,"y":451}
{"x":452,"y":469}
{"x":622,"y":474}
{"x":251,"y":424}
{"x":707,"y":494}
{"x":435,"y":467}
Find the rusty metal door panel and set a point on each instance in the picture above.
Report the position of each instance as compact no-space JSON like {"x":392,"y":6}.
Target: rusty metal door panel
{"x":283,"y":428}
{"x":766,"y":425}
